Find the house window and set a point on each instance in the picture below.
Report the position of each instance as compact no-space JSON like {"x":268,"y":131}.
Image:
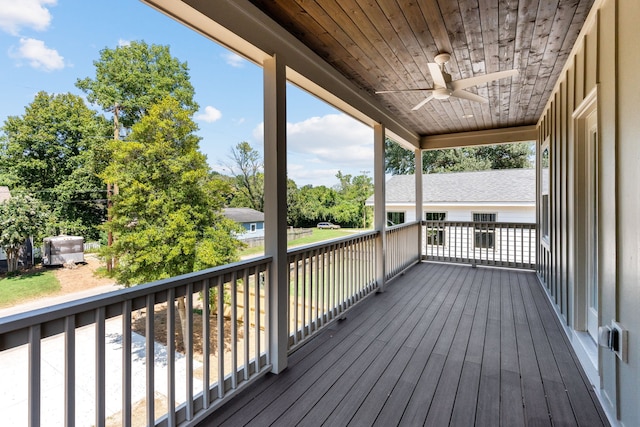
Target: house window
{"x":435,"y":232}
{"x":484,"y":232}
{"x":484,"y":217}
{"x":395,"y":218}
{"x":252,"y":228}
{"x":544,"y":194}
{"x":435,"y":216}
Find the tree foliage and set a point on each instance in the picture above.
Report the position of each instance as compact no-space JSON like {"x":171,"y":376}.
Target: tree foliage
{"x":136,"y":76}
{"x":52,"y":151}
{"x":352,"y":191}
{"x":21,"y":216}
{"x":502,"y":156}
{"x":343,"y":204}
{"x":310,"y":205}
{"x":165,"y":217}
{"x":245,"y":165}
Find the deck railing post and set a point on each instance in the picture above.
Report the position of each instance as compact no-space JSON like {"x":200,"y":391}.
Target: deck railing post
{"x":275,"y":207}
{"x":419,"y":214}
{"x":379,"y":216}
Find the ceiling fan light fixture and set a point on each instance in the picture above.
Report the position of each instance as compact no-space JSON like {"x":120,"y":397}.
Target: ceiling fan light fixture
{"x":443,"y":93}
{"x":442,"y":58}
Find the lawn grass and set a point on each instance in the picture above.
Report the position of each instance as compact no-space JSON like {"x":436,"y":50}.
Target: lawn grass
{"x":27,"y":286}
{"x":318,"y":235}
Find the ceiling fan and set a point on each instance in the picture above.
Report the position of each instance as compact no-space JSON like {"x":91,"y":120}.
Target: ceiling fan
{"x":444,"y":87}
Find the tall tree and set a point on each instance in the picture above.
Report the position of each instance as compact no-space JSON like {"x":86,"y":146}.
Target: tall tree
{"x":131,"y":78}
{"x":246,"y":165}
{"x":20,"y":218}
{"x":52,"y":151}
{"x":352,"y":191}
{"x":166,"y":201}
{"x":502,"y":156}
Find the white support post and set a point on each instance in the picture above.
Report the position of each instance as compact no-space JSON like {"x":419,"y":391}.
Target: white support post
{"x":419,"y":201}
{"x":275,"y":207}
{"x":379,"y":215}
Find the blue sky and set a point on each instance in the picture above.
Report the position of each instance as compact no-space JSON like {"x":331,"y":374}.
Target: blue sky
{"x":49,"y":44}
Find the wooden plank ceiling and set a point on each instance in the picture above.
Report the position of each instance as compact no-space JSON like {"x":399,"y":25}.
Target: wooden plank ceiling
{"x":387,"y":44}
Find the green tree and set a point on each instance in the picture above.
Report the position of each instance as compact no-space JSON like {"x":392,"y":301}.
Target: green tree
{"x":245,"y":165}
{"x":131,"y":78}
{"x":51,"y":151}
{"x":20,"y":218}
{"x":352,"y":193}
{"x":312,"y":205}
{"x":501,"y":156}
{"x":166,"y":216}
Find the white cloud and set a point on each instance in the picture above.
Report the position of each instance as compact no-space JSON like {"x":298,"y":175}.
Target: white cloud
{"x":38,"y":55}
{"x":234,"y":60}
{"x":33,"y":14}
{"x":123,"y":42}
{"x":319,"y":147}
{"x":210,"y":115}
{"x":335,"y":138}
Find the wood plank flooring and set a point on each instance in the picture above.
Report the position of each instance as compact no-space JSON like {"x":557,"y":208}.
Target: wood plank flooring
{"x":443,"y":345}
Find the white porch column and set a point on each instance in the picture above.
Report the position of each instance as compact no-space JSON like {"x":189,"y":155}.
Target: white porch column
{"x":379,"y":212}
{"x":419,"y":201}
{"x":275,"y":206}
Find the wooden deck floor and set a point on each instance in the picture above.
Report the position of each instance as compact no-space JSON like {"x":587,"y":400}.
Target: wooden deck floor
{"x":444,"y":345}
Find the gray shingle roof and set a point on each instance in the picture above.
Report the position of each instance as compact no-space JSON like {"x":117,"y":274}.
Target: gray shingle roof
{"x":243,"y":214}
{"x":505,"y":185}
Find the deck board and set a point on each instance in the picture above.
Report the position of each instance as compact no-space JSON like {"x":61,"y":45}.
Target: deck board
{"x":443,"y":345}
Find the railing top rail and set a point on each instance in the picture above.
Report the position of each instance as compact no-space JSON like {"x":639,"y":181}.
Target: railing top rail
{"x":501,"y":223}
{"x":403,"y":225}
{"x":332,"y":242}
{"x":47,"y":314}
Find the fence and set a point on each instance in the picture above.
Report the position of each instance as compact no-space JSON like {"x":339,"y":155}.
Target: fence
{"x":481,"y":243}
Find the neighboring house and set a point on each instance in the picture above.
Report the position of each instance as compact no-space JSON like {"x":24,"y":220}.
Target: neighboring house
{"x":506,"y":195}
{"x":251,"y":219}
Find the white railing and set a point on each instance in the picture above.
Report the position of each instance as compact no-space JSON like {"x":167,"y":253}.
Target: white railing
{"x":402,"y":248}
{"x":326,"y":280}
{"x":481,"y":243}
{"x":106,"y":360}
{"x":169,"y":352}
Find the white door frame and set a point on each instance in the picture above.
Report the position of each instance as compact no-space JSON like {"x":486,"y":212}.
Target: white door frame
{"x":586,"y":286}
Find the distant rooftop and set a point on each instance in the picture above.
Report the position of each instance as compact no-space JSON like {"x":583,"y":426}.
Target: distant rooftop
{"x":243,"y":214}
{"x":504,"y":185}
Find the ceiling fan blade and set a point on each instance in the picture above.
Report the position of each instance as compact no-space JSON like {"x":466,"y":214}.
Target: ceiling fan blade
{"x":429,"y":89}
{"x":470,"y":96}
{"x":422,"y":103}
{"x":436,"y":74}
{"x":478,"y":80}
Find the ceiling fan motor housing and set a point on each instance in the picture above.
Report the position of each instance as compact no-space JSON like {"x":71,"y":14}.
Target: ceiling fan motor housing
{"x":442,"y":93}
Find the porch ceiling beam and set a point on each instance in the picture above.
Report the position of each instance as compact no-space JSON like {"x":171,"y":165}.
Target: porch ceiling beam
{"x":481,"y":137}
{"x":243,"y":28}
